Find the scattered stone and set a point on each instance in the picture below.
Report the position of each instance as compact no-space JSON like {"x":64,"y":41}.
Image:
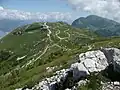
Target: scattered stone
{"x":111,"y":86}
{"x":82,"y":82}
{"x":50,"y":69}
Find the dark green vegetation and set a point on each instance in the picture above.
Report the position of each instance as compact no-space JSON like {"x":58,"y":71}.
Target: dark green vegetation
{"x":102,"y":26}
{"x":7,"y":25}
{"x":94,"y":82}
{"x":32,"y":48}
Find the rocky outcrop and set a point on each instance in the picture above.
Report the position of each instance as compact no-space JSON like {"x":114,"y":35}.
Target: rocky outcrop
{"x":89,"y":62}
{"x":17,"y":33}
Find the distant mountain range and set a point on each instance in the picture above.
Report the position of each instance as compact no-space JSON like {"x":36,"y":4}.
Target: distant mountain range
{"x":100,"y":25}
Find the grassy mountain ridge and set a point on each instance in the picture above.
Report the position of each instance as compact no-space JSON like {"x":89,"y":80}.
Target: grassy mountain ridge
{"x":31,"y":48}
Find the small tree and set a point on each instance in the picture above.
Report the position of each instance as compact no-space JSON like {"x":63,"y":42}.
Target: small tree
{"x":4,"y":54}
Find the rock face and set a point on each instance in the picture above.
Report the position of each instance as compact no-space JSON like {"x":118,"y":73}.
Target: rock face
{"x":89,"y":62}
{"x":113,"y":57}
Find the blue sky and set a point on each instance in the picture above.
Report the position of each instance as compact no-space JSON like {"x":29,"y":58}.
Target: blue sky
{"x":37,"y":5}
{"x":41,"y":6}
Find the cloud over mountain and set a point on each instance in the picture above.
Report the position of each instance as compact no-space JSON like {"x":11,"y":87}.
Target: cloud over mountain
{"x":105,"y":8}
{"x":16,"y":14}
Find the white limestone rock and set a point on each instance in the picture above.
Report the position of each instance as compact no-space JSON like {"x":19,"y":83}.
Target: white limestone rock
{"x":92,"y":61}
{"x":50,"y":83}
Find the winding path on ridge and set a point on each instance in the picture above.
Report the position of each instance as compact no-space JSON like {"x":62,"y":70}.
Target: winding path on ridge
{"x":48,"y":46}
{"x":44,"y":51}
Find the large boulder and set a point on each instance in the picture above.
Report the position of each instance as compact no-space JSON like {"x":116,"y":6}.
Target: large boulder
{"x":92,"y":61}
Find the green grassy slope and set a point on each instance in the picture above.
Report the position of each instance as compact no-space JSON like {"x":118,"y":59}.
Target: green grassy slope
{"x":30,"y":49}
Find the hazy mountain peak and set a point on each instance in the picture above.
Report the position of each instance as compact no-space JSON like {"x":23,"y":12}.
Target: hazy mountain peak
{"x":102,"y":26}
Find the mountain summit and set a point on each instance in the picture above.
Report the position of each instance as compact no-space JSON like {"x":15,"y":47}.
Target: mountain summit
{"x":103,"y":26}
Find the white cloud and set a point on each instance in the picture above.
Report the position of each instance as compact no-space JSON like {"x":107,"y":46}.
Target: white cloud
{"x":105,"y":8}
{"x":1,"y":8}
{"x":49,"y":16}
